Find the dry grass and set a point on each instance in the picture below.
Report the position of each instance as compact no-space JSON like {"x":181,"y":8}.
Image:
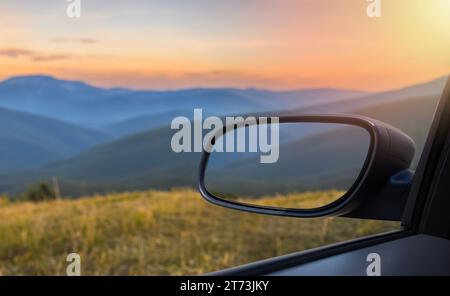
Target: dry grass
{"x":156,"y":233}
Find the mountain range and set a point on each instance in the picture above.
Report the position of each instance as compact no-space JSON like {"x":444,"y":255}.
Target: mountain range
{"x":92,"y":107}
{"x":102,"y":140}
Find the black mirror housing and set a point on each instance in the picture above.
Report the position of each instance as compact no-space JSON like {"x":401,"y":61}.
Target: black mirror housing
{"x":380,"y":189}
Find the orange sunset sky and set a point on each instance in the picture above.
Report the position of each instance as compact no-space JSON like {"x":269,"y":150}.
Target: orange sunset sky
{"x":280,"y":44}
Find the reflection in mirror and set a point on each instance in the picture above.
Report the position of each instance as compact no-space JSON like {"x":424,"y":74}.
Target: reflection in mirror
{"x":317,"y":163}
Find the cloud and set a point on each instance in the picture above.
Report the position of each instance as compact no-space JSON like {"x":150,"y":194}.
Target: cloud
{"x":82,"y":40}
{"x":15,"y":52}
{"x":50,"y":57}
{"x":32,"y":55}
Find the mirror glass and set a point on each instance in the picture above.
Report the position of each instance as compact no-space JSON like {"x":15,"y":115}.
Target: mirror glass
{"x":287,"y":165}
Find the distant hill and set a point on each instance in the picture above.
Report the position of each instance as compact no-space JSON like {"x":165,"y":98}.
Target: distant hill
{"x":28,"y":141}
{"x":71,"y":101}
{"x":89,"y":106}
{"x":432,"y":88}
{"x":143,"y":160}
{"x":146,"y":122}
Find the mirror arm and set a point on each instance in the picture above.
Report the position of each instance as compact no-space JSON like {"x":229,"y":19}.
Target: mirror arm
{"x":390,"y":201}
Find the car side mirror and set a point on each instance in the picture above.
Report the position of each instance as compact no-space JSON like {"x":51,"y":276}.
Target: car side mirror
{"x":318,"y":165}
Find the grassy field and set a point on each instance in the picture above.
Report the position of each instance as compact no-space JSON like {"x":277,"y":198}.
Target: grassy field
{"x":157,"y":233}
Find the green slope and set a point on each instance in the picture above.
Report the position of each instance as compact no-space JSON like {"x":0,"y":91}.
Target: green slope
{"x":140,"y":161}
{"x":28,"y":141}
